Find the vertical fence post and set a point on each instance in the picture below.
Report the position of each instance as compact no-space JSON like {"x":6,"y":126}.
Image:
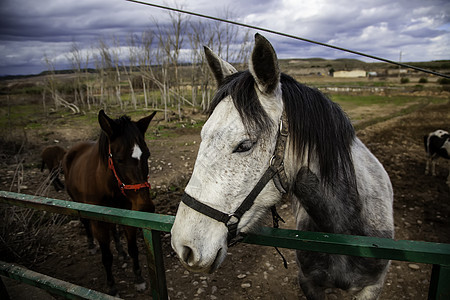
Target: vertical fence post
{"x":155,"y":264}
{"x":439,"y":283}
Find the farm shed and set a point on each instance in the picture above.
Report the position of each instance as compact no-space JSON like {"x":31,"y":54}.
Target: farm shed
{"x":349,"y":74}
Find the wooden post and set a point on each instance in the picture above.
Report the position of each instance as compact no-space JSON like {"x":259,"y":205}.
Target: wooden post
{"x":155,"y":263}
{"x":439,"y":283}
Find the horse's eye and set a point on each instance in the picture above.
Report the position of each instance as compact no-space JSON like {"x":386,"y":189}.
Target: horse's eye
{"x":244,"y":146}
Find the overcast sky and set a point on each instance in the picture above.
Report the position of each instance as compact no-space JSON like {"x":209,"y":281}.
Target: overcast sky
{"x":419,"y":29}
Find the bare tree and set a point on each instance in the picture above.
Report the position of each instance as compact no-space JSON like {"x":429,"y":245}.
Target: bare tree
{"x":58,"y":100}
{"x":103,"y":63}
{"x":80,"y":64}
{"x":171,"y":40}
{"x":202,"y":35}
{"x":50,"y":80}
{"x":89,"y":84}
{"x":175,"y":40}
{"x":100,"y":75}
{"x":145,"y":63}
{"x":152,"y":60}
{"x":227,"y":40}
{"x":164,"y":64}
{"x":232,"y":44}
{"x":115,"y":55}
{"x":132,"y":59}
{"x":107,"y":63}
{"x":152,"y":56}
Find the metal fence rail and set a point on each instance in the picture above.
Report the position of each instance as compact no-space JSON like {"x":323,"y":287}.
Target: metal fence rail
{"x":437,"y":254}
{"x":56,"y":286}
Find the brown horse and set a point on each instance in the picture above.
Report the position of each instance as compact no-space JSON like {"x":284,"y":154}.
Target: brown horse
{"x":113,"y":171}
{"x":52,"y":157}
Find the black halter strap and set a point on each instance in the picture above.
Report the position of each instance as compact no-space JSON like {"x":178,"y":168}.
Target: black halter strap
{"x":275,"y":171}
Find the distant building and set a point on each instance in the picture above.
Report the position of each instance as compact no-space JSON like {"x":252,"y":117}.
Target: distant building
{"x":396,"y":72}
{"x":350,"y":74}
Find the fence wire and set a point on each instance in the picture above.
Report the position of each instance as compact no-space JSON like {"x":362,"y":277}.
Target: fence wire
{"x":290,"y":36}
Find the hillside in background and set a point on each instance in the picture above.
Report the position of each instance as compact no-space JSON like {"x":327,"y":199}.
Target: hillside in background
{"x":306,"y":66}
{"x":320,"y":66}
{"x":169,"y":88}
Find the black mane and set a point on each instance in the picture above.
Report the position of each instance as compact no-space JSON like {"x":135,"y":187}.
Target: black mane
{"x":317,"y":125}
{"x":240,"y":86}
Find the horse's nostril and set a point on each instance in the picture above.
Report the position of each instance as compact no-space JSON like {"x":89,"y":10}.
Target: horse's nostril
{"x":186,"y":254}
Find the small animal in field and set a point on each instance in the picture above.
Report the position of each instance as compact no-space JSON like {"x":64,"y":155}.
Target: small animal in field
{"x":437,"y":144}
{"x":112,"y":171}
{"x":268,"y":135}
{"x":52,"y":157}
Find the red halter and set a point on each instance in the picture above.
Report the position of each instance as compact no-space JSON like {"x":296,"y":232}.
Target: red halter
{"x":122,"y":185}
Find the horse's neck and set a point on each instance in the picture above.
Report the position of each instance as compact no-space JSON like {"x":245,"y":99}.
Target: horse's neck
{"x":330,"y":208}
{"x":104,"y":176}
{"x":100,"y":152}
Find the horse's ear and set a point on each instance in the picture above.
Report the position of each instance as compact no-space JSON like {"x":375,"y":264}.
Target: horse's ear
{"x":218,"y":66}
{"x":143,"y":123}
{"x":107,"y":124}
{"x":264,"y":65}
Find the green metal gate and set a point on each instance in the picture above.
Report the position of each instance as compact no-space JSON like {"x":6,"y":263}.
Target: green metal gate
{"x":436,"y":254}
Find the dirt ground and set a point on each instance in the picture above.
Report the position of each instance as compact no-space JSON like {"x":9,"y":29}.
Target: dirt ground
{"x":422,"y":212}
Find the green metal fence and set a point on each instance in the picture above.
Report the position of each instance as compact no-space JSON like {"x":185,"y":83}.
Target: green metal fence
{"x":437,"y":254}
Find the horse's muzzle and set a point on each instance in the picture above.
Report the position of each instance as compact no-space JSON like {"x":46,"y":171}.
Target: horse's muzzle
{"x":141,"y":200}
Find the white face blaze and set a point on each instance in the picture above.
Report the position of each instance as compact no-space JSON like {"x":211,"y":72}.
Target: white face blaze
{"x":222,"y":178}
{"x":137,"y":152}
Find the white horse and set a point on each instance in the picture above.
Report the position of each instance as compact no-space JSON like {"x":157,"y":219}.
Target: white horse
{"x":267,"y":135}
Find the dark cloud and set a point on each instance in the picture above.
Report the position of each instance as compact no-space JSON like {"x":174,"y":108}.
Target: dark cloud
{"x":421,"y":29}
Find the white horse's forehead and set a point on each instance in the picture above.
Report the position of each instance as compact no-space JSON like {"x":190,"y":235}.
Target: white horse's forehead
{"x":225,"y":120}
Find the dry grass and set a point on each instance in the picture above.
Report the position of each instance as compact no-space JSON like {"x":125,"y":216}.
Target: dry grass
{"x":25,"y":233}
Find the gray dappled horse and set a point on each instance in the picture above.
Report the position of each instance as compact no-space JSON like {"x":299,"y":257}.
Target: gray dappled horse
{"x":268,"y":135}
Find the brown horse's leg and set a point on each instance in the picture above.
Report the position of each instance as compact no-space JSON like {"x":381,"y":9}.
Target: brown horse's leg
{"x":134,"y":253}
{"x":100,"y":231}
{"x":90,"y":239}
{"x":116,"y":237}
{"x":57,"y":184}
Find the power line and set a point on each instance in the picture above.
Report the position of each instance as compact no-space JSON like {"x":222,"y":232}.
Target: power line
{"x":289,"y":36}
